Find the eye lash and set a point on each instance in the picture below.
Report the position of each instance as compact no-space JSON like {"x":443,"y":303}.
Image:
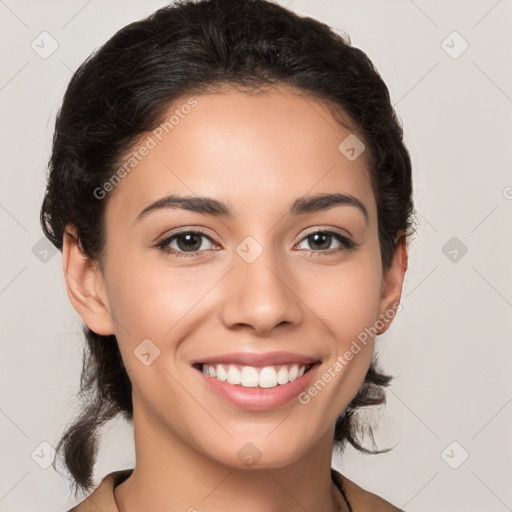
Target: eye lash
{"x":349,"y":243}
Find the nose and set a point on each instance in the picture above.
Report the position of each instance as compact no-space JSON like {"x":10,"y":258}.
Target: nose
{"x":261,"y":295}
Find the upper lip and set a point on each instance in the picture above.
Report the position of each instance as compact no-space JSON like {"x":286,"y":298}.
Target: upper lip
{"x":259,"y":359}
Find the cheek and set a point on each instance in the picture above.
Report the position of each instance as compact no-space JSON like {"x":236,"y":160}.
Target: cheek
{"x":346,"y":297}
{"x":152,"y":304}
{"x":347,"y":308}
{"x":346,"y":301}
{"x":150,"y":296}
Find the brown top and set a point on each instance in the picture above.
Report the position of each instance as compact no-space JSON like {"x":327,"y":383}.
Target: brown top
{"x":358,"y":499}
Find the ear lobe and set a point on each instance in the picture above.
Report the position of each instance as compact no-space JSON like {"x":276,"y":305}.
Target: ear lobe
{"x":85,"y":285}
{"x":392,"y":282}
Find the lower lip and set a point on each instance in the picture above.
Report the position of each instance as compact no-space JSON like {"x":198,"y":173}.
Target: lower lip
{"x":258,"y":399}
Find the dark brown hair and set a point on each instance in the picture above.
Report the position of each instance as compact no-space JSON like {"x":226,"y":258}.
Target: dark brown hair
{"x":124,"y":89}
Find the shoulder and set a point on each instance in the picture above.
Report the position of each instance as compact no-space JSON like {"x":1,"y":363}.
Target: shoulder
{"x":102,"y":497}
{"x":359,"y":499}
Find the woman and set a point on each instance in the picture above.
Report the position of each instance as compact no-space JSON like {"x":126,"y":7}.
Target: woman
{"x":232,"y":197}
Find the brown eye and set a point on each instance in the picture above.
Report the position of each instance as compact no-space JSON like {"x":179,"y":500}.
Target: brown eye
{"x":186,"y":242}
{"x":323,"y":241}
{"x":189,"y":242}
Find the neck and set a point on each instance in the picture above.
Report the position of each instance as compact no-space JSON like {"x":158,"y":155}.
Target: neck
{"x":170,"y":474}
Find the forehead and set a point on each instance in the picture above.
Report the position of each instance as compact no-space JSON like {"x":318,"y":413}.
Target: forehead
{"x":252,"y":150}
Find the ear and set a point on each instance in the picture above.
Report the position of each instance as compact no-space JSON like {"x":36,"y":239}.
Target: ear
{"x":85,"y":285}
{"x":392,"y":282}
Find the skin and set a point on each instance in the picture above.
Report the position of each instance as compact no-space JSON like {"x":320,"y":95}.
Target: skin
{"x":258,"y":153}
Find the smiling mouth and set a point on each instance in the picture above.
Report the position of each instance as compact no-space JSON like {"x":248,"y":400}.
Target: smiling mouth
{"x":265,"y":377}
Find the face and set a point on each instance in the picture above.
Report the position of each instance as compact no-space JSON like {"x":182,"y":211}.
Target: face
{"x":259,"y":267}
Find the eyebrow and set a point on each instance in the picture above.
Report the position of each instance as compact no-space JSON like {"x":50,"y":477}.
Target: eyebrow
{"x":210,"y":206}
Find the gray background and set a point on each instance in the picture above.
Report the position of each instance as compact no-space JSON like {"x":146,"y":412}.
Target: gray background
{"x":449,"y":347}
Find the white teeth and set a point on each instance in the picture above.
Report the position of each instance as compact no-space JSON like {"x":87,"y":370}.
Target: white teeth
{"x":221,"y":373}
{"x":233,"y":375}
{"x":268,"y":377}
{"x":294,"y":371}
{"x":282,"y":376}
{"x":250,"y":377}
